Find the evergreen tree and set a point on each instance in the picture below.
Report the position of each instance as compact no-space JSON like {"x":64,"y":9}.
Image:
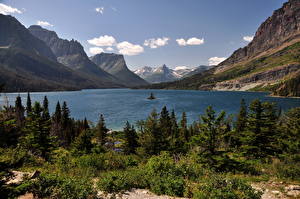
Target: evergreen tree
{"x":28,"y":104}
{"x":165,"y":127}
{"x":184,"y":133}
{"x":242,"y":117}
{"x":56,"y":129}
{"x":211,"y":138}
{"x":176,"y":142}
{"x":149,"y":140}
{"x":131,"y":139}
{"x":85,"y":124}
{"x":261,"y":129}
{"x":45,"y":114}
{"x":289,"y":138}
{"x":174,"y":125}
{"x":83,"y":143}
{"x":241,"y":124}
{"x":66,"y":125}
{"x":101,"y":131}
{"x":19,"y":111}
{"x":37,"y":137}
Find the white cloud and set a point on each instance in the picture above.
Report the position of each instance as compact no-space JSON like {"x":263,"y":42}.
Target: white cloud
{"x":96,"y":50}
{"x":215,"y":60}
{"x":6,"y":10}
{"x":248,"y":38}
{"x":180,"y":68}
{"x":130,"y":49}
{"x":155,"y":43}
{"x":103,"y":41}
{"x":100,"y":10}
{"x":114,"y":9}
{"x":181,"y":42}
{"x":195,"y":41}
{"x":109,"y":49}
{"x":191,"y":41}
{"x":44,"y":23}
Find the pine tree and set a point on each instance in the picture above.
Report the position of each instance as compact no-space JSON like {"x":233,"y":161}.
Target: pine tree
{"x":149,"y":140}
{"x":37,"y":137}
{"x":165,"y":127}
{"x":289,"y":138}
{"x":66,"y":125}
{"x":131,"y":138}
{"x":242,"y":117}
{"x":211,"y":138}
{"x":56,"y":129}
{"x":184,"y":133}
{"x":83,"y":143}
{"x":241,"y":124}
{"x":28,"y":104}
{"x":261,"y":129}
{"x":101,"y":132}
{"x":85,"y":124}
{"x":45,"y":114}
{"x":19,"y":111}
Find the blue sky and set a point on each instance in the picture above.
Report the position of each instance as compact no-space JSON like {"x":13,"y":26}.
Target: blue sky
{"x":150,"y":32}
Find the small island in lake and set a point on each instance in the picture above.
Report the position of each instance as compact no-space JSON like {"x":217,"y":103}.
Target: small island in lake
{"x":151,"y":97}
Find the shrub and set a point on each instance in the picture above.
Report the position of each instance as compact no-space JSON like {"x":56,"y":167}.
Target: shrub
{"x":54,"y":186}
{"x":218,"y":187}
{"x":287,"y":170}
{"x":116,"y":161}
{"x":116,"y":181}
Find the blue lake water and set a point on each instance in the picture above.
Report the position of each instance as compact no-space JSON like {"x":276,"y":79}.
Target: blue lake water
{"x":121,"y":105}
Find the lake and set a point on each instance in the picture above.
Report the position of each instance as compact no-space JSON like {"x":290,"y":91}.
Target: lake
{"x":121,"y":105}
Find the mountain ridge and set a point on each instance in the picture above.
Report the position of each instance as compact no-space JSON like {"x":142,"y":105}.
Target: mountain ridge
{"x":115,"y":65}
{"x":71,"y":54}
{"x":269,"y":63}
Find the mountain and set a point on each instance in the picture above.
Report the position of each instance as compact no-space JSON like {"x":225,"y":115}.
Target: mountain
{"x":165,"y":74}
{"x":28,"y":64}
{"x":192,"y":71}
{"x":269,"y":63}
{"x":72,"y":55}
{"x":14,"y":35}
{"x":157,"y":75}
{"x":115,"y":65}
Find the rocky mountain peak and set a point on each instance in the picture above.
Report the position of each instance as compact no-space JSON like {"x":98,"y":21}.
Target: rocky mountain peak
{"x":109,"y":60}
{"x":60,"y":47}
{"x":14,"y":35}
{"x":282,"y":27}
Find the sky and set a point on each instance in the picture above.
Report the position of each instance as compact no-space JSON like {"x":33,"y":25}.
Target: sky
{"x":150,"y":32}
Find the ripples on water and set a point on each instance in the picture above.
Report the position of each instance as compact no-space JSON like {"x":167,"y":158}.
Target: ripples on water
{"x":121,"y":105}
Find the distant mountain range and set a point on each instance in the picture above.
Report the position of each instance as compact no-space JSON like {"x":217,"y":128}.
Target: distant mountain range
{"x":165,"y":74}
{"x":271,"y":62}
{"x":36,"y":59}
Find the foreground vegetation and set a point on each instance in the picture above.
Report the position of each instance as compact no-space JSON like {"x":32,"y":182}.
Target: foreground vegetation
{"x":215,"y":157}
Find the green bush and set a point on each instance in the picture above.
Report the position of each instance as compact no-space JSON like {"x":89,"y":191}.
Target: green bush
{"x":218,"y":187}
{"x":116,"y":161}
{"x":54,"y":186}
{"x":116,"y":181}
{"x":290,"y":171}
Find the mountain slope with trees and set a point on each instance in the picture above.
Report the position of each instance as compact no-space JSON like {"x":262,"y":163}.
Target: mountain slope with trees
{"x":269,"y":63}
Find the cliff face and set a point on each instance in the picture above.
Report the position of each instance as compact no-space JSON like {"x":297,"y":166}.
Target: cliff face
{"x":115,"y":64}
{"x":282,"y":27}
{"x":60,"y":47}
{"x":14,"y":35}
{"x":269,"y":63}
{"x":72,"y":54}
